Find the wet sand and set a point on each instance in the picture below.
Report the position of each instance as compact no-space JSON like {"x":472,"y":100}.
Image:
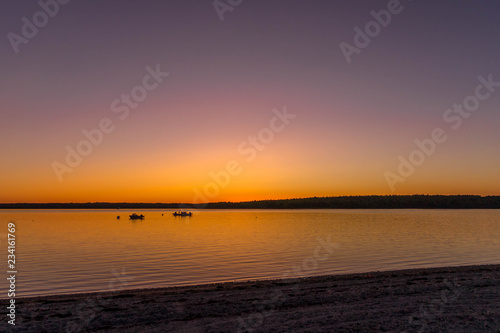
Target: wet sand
{"x":452,"y":299}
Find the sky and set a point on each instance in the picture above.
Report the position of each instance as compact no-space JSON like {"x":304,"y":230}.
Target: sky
{"x":193,"y":101}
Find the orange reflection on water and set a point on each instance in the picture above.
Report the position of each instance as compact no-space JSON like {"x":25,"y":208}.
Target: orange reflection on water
{"x":88,"y":250}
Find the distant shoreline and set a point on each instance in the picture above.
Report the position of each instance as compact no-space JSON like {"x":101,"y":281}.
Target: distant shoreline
{"x":463,"y":298}
{"x":341,"y":202}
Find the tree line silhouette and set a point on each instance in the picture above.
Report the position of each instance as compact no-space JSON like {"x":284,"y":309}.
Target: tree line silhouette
{"x":340,"y":202}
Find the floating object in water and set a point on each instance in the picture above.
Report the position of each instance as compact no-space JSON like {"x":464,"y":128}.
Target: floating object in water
{"x":136,"y":217}
{"x":118,"y":217}
{"x":182,"y":214}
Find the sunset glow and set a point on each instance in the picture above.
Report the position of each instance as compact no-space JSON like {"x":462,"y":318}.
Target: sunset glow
{"x":168,"y":133}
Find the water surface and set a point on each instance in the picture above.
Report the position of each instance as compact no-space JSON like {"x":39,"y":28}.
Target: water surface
{"x":66,"y":251}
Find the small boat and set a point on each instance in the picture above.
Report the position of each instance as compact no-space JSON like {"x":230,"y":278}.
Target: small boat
{"x":136,"y":217}
{"x":182,"y":214}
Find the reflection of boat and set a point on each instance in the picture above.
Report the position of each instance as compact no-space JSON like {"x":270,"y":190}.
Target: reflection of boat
{"x":182,"y":214}
{"x":136,"y":217}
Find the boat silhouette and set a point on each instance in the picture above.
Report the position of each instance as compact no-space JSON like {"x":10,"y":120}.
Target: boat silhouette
{"x":182,"y":214}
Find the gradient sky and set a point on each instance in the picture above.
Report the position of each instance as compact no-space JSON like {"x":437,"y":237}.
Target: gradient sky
{"x":352,"y":123}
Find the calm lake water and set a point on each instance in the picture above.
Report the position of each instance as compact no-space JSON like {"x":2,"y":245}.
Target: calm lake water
{"x":66,"y":251}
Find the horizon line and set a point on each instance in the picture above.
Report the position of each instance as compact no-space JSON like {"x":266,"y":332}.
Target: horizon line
{"x":247,"y":201}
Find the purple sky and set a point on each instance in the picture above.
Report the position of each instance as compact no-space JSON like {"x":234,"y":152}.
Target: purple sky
{"x":353,"y":120}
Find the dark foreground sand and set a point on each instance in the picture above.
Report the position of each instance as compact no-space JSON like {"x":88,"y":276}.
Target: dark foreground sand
{"x":456,"y":299}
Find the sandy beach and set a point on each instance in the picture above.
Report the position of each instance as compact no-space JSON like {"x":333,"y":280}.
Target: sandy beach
{"x":452,"y":299}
